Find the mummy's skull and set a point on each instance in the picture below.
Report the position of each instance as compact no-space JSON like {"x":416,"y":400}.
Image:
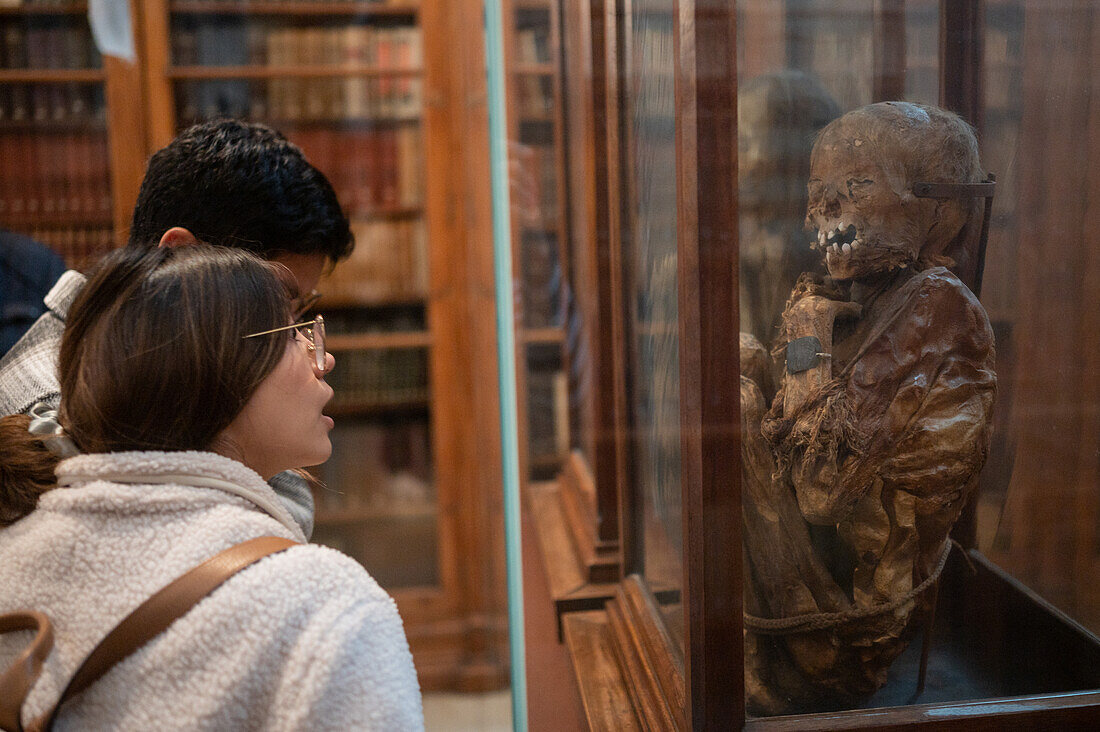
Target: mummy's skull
{"x":862,"y":172}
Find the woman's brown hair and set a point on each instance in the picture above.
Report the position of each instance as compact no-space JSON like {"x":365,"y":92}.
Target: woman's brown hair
{"x":154,"y":357}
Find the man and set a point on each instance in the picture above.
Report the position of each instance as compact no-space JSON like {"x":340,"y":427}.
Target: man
{"x":228,"y":183}
{"x":27,"y":272}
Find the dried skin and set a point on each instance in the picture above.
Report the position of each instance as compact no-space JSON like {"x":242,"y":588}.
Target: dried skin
{"x":861,"y":465}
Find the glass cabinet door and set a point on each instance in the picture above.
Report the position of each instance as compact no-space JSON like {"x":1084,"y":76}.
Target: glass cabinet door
{"x":652,"y":307}
{"x":885,"y":249}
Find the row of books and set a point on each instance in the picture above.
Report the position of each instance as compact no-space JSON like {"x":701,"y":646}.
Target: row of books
{"x":534,"y":95}
{"x":52,"y":45}
{"x":542,"y":174}
{"x":53,"y":102}
{"x":371,"y":169}
{"x":340,"y":96}
{"x":390,"y":262}
{"x":383,"y":465}
{"x":380,"y":378}
{"x":297,"y":100}
{"x":79,"y":246}
{"x":533,"y":45}
{"x":547,"y":413}
{"x":542,"y":280}
{"x":394,"y":318}
{"x":241,"y":42}
{"x":58,"y":178}
{"x":384,"y":319}
{"x":410,"y":4}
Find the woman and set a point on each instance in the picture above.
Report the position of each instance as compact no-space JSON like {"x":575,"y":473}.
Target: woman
{"x":184,"y":392}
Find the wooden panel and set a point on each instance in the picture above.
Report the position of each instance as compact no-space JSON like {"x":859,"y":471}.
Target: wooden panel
{"x":706,"y":134}
{"x":553,"y":699}
{"x":961,"y":59}
{"x":462,"y":315}
{"x":607,"y":705}
{"x":600,"y":558}
{"x":566,"y":574}
{"x":889,"y":50}
{"x":625,"y":663}
{"x":126,"y":135}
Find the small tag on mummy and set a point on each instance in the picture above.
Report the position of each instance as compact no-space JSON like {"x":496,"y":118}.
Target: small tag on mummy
{"x":802,"y":354}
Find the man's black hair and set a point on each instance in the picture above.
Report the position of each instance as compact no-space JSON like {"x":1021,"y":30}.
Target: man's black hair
{"x":240,"y":185}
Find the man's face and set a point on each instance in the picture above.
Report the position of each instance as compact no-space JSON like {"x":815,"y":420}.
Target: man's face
{"x":306,"y":268}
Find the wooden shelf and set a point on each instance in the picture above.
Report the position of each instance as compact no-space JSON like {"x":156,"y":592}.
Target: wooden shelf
{"x":377,"y":341}
{"x":340,"y":124}
{"x":277,"y":72}
{"x":394,"y":212}
{"x":534,"y":69}
{"x":89,"y":124}
{"x":77,"y":8}
{"x":52,"y":76}
{"x":368,"y":407}
{"x":56,"y":220}
{"x":551,"y":460}
{"x":543,"y":336}
{"x":333,"y":300}
{"x":291,"y":7}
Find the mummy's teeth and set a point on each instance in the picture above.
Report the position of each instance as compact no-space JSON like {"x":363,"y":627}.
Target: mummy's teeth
{"x":856,"y":244}
{"x":836,"y":250}
{"x":829,"y":256}
{"x":832,"y":235}
{"x":847,"y":248}
{"x":821,"y":238}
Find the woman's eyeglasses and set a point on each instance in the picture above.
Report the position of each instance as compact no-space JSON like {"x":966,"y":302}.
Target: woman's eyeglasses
{"x":314,"y":331}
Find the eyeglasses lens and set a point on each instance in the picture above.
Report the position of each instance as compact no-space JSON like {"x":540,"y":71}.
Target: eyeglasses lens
{"x":317,"y":334}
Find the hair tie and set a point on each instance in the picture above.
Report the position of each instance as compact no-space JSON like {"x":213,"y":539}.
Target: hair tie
{"x":44,"y":424}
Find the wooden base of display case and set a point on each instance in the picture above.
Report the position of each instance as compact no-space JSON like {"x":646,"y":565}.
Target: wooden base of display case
{"x":568,"y":576}
{"x":1000,"y":657}
{"x":450,"y":655}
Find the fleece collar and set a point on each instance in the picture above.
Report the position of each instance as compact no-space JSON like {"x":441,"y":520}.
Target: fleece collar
{"x":187,"y":469}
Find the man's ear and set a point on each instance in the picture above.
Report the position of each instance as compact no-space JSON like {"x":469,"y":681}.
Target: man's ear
{"x":177,"y":236}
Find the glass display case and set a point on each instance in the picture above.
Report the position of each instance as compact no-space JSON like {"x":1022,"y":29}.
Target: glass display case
{"x":878,"y":506}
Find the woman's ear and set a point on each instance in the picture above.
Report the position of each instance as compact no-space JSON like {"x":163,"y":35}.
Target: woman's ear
{"x":177,"y":236}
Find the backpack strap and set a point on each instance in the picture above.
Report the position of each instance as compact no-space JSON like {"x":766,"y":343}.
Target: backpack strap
{"x":17,"y":680}
{"x":154,"y":616}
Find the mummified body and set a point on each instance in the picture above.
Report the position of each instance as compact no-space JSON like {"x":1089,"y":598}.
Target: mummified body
{"x":855,"y":473}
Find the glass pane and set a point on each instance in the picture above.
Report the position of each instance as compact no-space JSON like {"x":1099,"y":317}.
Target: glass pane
{"x":345,"y":86}
{"x":650,"y":257}
{"x":894,"y":399}
{"x":539,"y":236}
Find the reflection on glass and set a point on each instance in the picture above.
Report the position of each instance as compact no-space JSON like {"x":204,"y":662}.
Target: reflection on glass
{"x":778,"y":116}
{"x":651,"y":258}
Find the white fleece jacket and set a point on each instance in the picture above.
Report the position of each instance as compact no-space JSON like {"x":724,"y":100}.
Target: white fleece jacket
{"x":304,"y":639}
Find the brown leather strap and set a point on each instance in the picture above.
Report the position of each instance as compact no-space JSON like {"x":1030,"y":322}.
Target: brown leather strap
{"x":17,"y":680}
{"x":154,"y":615}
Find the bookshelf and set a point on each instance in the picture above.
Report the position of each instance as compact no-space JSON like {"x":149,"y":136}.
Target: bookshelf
{"x":539,"y":232}
{"x":368,"y":96}
{"x":68,"y":175}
